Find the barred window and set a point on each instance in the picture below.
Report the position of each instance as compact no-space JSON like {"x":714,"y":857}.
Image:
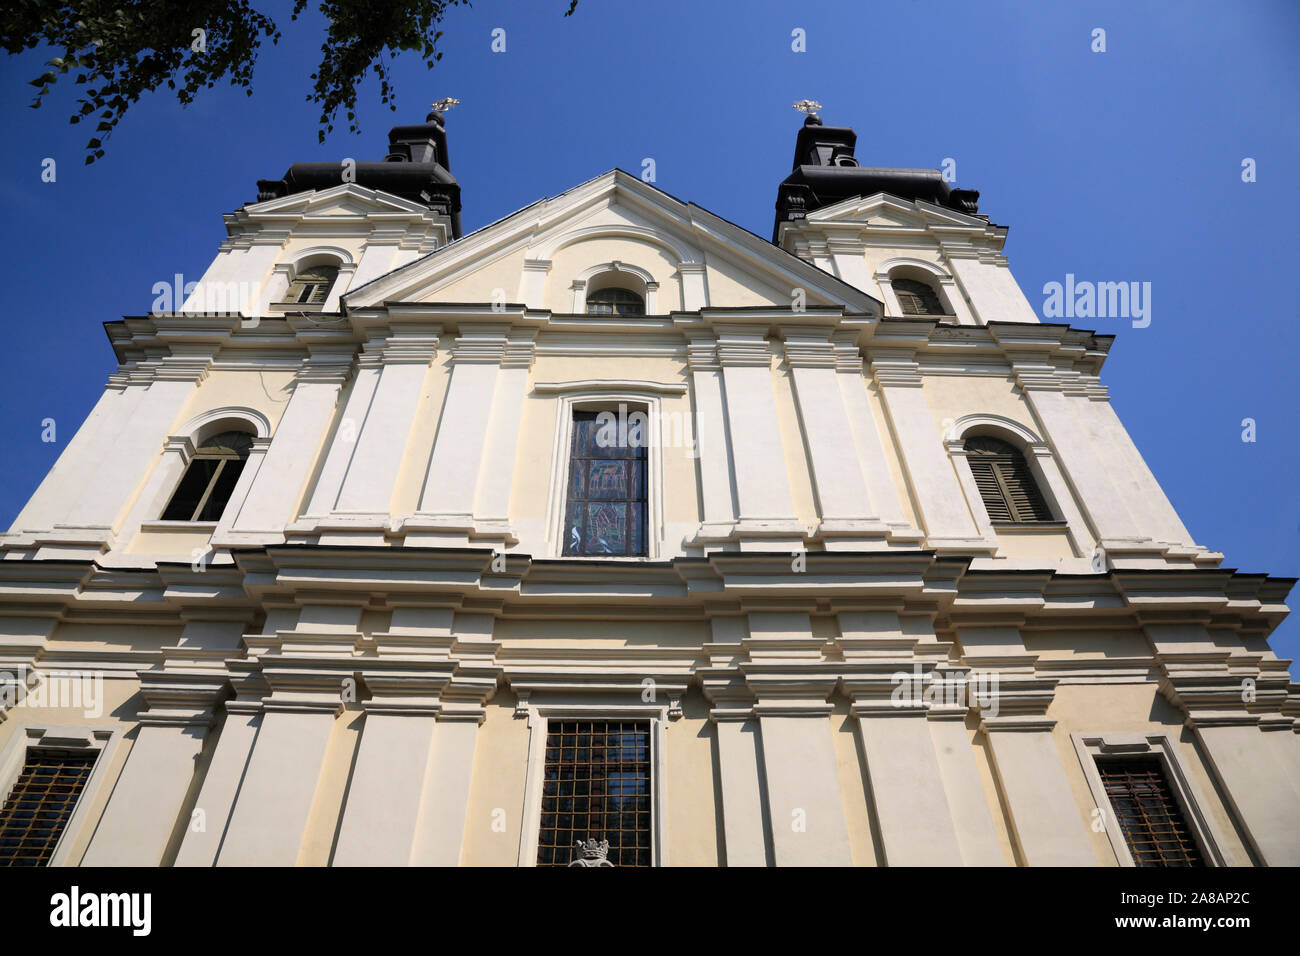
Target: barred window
{"x":1148,"y":814}
{"x":606,"y":508}
{"x":38,"y":808}
{"x":596,"y":786}
{"x":615,"y":302}
{"x":210,"y":478}
{"x":916,"y":298}
{"x":312,"y":286}
{"x":1005,"y":482}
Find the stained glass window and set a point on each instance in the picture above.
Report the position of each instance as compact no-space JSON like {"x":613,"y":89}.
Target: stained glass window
{"x":606,"y":512}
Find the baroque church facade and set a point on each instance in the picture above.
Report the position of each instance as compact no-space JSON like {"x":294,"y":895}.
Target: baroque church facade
{"x":613,"y":534}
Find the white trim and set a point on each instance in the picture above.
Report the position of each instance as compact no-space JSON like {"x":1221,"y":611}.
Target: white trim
{"x":539,"y":714}
{"x":899,"y":262}
{"x":299,"y":259}
{"x":1090,"y":746}
{"x":578,"y":397}
{"x":249,"y":416}
{"x":959,"y":428}
{"x":590,"y":385}
{"x":104,"y":740}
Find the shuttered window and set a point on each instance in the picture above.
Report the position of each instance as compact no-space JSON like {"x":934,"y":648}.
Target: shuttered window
{"x":37,"y":809}
{"x":312,"y":286}
{"x":1005,"y":482}
{"x":209,"y":479}
{"x":1148,"y":814}
{"x":916,"y":298}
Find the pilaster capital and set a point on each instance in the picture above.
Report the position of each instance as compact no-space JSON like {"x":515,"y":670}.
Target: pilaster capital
{"x":808,"y":347}
{"x":743,"y":346}
{"x":895,"y":368}
{"x":186,"y":363}
{"x":848,"y":356}
{"x":411,"y":345}
{"x":181,"y":698}
{"x":481,"y":345}
{"x":326,"y":365}
{"x":702,"y":352}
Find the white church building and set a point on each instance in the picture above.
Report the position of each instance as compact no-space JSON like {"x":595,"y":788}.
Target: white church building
{"x":615,"y":534}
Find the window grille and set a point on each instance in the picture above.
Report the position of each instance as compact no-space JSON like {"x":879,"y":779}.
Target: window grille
{"x":1148,"y":814}
{"x":40,"y":804}
{"x":596,"y":786}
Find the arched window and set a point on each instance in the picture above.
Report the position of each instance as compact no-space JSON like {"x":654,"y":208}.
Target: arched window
{"x":916,"y":298}
{"x":1005,"y":481}
{"x":209,"y":478}
{"x":311,"y":286}
{"x":615,"y":302}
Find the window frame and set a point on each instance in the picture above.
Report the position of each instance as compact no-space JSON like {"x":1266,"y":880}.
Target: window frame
{"x":626,"y":499}
{"x":614,"y":313}
{"x":189,"y":460}
{"x":606,"y":396}
{"x":103,"y":740}
{"x":1088,"y":747}
{"x":307,"y":285}
{"x":539,"y":717}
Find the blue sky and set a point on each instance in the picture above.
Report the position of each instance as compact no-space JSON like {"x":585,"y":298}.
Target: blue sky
{"x":1115,"y":166}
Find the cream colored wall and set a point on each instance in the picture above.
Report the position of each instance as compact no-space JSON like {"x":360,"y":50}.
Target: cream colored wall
{"x":479,"y":282}
{"x":265,"y":391}
{"x":1030,"y":542}
{"x":730,"y":287}
{"x":172,"y":541}
{"x":694,"y":806}
{"x":952,"y":396}
{"x":496,"y":798}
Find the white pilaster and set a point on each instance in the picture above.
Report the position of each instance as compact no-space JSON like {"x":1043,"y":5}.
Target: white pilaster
{"x":381,"y":443}
{"x":936,"y":491}
{"x":764,"y":503}
{"x":842,"y":496}
{"x":143,"y":816}
{"x":277,"y":489}
{"x":713,"y":448}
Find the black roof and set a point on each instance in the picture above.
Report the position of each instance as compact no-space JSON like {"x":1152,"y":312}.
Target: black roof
{"x":417,"y":168}
{"x":825,"y":172}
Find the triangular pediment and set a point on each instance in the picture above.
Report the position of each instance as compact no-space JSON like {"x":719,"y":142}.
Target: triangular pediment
{"x":613,"y":216}
{"x":883,"y":209}
{"x":345,"y":201}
